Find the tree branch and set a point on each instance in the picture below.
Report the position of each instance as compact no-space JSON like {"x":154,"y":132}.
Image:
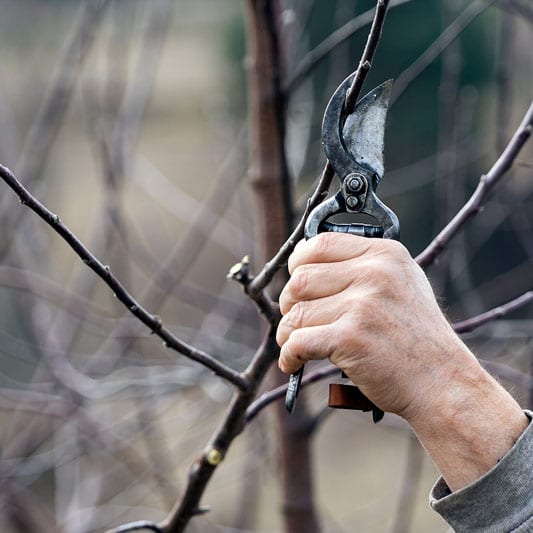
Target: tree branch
{"x":267,"y":273}
{"x":153,"y":322}
{"x":470,"y":324}
{"x":487,"y":182}
{"x":367,"y":57}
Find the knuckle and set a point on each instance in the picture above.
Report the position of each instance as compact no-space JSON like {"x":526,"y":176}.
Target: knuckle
{"x":291,"y":351}
{"x":384,"y":271}
{"x":297,"y":315}
{"x":384,"y":285}
{"x":298,"y":342}
{"x":322,"y":245}
{"x":281,"y":336}
{"x":291,"y":322}
{"x":382,"y":274}
{"x":396,"y":249}
{"x":299,"y":281}
{"x":284,"y":301}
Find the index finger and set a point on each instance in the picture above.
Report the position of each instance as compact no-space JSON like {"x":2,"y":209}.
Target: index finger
{"x":328,"y":247}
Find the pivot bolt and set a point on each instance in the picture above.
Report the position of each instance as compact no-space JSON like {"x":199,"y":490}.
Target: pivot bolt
{"x":355,"y":183}
{"x":353,"y":202}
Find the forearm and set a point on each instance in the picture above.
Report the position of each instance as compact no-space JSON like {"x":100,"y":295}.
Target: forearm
{"x":469,"y":425}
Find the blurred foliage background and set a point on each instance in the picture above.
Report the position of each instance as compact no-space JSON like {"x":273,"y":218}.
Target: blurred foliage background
{"x":98,"y":421}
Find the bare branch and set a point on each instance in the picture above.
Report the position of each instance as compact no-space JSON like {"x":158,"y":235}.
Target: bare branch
{"x":153,"y":322}
{"x":487,"y":182}
{"x":465,"y":326}
{"x":240,"y":273}
{"x":367,"y":57}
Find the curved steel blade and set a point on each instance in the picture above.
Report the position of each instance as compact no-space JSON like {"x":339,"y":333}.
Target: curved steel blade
{"x":364,"y":129}
{"x":362,"y":139}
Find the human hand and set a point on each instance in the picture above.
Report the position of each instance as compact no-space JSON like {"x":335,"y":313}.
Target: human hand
{"x":367,"y":306}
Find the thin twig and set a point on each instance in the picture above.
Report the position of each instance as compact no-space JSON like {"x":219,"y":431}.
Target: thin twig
{"x":466,"y":326}
{"x":367,"y":57}
{"x":486,"y":183}
{"x":153,"y":322}
{"x":168,"y":273}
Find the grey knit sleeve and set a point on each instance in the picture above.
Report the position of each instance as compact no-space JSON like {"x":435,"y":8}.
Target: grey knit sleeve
{"x":500,"y":501}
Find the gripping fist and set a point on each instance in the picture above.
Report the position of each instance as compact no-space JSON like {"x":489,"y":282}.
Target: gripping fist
{"x":367,"y":306}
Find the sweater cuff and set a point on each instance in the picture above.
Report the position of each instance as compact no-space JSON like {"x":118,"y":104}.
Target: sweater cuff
{"x":501,"y":500}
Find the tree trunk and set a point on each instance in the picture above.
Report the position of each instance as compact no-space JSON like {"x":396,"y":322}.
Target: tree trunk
{"x":269,"y":177}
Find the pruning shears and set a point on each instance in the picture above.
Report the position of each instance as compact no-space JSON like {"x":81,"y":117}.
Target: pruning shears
{"x":354,"y":147}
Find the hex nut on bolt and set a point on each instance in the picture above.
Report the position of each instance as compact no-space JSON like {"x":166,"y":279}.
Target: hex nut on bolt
{"x":355,"y":184}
